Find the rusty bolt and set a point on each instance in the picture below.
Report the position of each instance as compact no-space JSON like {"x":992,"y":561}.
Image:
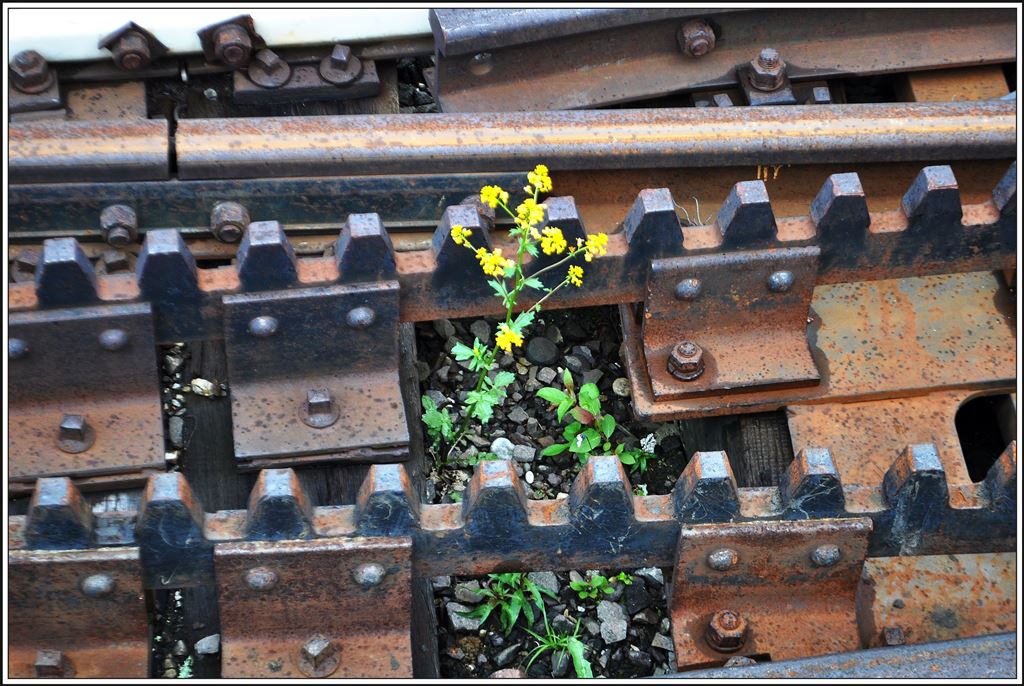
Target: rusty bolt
{"x":267,"y":70}
{"x":686,"y":362}
{"x":726,"y":631}
{"x":232,"y":45}
{"x":119,"y":224}
{"x":113,"y":339}
{"x":115,"y":261}
{"x":261,"y":578}
{"x":368,"y":575}
{"x":722,"y":559}
{"x":53,"y":664}
{"x":263,"y":326}
{"x":826,"y":555}
{"x":361,"y":317}
{"x":768,"y":71}
{"x":131,"y":51}
{"x":893,"y":636}
{"x":228,"y":221}
{"x":17,"y":348}
{"x":98,"y":585}
{"x":481,"y":63}
{"x":696,"y":38}
{"x":319,"y":657}
{"x":688,"y":289}
{"x":341,"y":66}
{"x":75,"y":435}
{"x":780,"y":282}
{"x":319,"y":411}
{"x":30,"y":73}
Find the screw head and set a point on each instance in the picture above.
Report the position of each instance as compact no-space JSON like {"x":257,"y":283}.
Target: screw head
{"x":232,"y":45}
{"x":686,"y":361}
{"x":268,"y":70}
{"x":319,"y":411}
{"x":52,"y":664}
{"x":30,"y":73}
{"x":726,"y":631}
{"x":17,"y":348}
{"x":696,"y":38}
{"x":360,"y":317}
{"x":260,"y":578}
{"x":263,"y":326}
{"x":341,"y":67}
{"x":688,"y":289}
{"x":98,"y":585}
{"x":481,"y":63}
{"x":319,"y":657}
{"x":340,"y":56}
{"x":768,"y":70}
{"x":826,"y":555}
{"x":210,"y":94}
{"x":75,"y":434}
{"x":893,"y":636}
{"x":780,"y":281}
{"x":368,"y":575}
{"x":723,"y":559}
{"x":113,"y":339}
{"x":131,"y":51}
{"x":228,"y":221}
{"x":119,"y":224}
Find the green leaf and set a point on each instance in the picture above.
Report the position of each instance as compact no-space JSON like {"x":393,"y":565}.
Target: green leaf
{"x":554,"y":449}
{"x":567,"y":380}
{"x":503,"y":379}
{"x":462,"y":352}
{"x":607,"y":426}
{"x":534,"y":283}
{"x":499,"y":288}
{"x":577,"y":651}
{"x":523,"y":320}
{"x":590,"y":398}
{"x":564,"y":407}
{"x":531,"y":248}
{"x":552,"y":395}
{"x":583,"y":416}
{"x":627,"y":458}
{"x":570,"y":431}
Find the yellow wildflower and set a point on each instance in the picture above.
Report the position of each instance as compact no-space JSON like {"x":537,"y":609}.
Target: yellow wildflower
{"x":493,"y":263}
{"x":507,"y":338}
{"x":535,"y":233}
{"x":530,"y":212}
{"x":460,"y":234}
{"x":575,"y":275}
{"x":540,"y":179}
{"x":552,"y":242}
{"x":597,"y":245}
{"x":491,"y":195}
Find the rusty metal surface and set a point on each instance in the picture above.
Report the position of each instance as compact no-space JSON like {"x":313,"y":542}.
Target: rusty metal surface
{"x":937,"y":597}
{"x":644,"y":60}
{"x":794,"y":605}
{"x":874,"y":340}
{"x":105,"y":634}
{"x":309,"y":589}
{"x":612,"y":139}
{"x":70,"y":367}
{"x":306,"y":84}
{"x":68,"y":151}
{"x":752,"y":336}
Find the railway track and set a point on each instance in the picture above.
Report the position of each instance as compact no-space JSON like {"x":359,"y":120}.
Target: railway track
{"x":216,"y":347}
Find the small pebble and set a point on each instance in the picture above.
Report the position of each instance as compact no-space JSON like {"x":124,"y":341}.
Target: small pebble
{"x":481,"y":330}
{"x":503,"y":448}
{"x":620,"y":387}
{"x":529,"y":477}
{"x":546,"y":375}
{"x":541,"y":351}
{"x":208,"y":645}
{"x":523,"y":453}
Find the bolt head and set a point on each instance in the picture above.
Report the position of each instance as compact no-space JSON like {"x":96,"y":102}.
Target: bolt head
{"x":114,"y":339}
{"x":481,"y":63}
{"x":340,"y":56}
{"x":119,"y":237}
{"x":268,"y":59}
{"x":780,"y":282}
{"x":368,"y":575}
{"x":726,"y":631}
{"x":723,"y":559}
{"x":768,"y":71}
{"x":261,"y":578}
{"x":30,"y":72}
{"x":52,"y":664}
{"x":73,"y":427}
{"x":17,"y":348}
{"x":688,"y":289}
{"x":263,"y":326}
{"x":361,"y":317}
{"x":696,"y":38}
{"x":320,"y":410}
{"x":893,"y":636}
{"x":228,"y":221}
{"x":686,"y":361}
{"x":319,"y":401}
{"x":826,"y":555}
{"x":319,"y":657}
{"x":131,"y":51}
{"x":98,"y":585}
{"x":232,"y":45}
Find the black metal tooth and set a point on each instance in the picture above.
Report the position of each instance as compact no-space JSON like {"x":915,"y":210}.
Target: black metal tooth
{"x":386,"y":504}
{"x":166,"y":268}
{"x":840,"y":212}
{"x":1004,"y":195}
{"x":706,"y":490}
{"x":494,"y":504}
{"x":563,"y":213}
{"x":652,"y":228}
{"x":64,"y":275}
{"x":279,"y":508}
{"x":266,"y":259}
{"x":172,"y":544}
{"x":364,"y":251}
{"x":918,"y":473}
{"x":1001,"y":481}
{"x":746,"y":219}
{"x":810,"y":488}
{"x":453,"y":259}
{"x":600,"y":496}
{"x":933,"y":196}
{"x":58,"y":517}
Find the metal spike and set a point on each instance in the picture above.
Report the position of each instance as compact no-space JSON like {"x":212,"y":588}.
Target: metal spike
{"x":64,"y":275}
{"x":279,"y":508}
{"x":810,"y":488}
{"x":166,"y":268}
{"x":1005,"y":193}
{"x":451,"y":258}
{"x":173,"y":548}
{"x":746,"y":219}
{"x":918,"y":496}
{"x":386,"y":504}
{"x":706,"y":490}
{"x":58,"y":517}
{"x":266,"y":259}
{"x":840,"y":212}
{"x":652,"y":228}
{"x":1001,"y":480}
{"x":494,"y":503}
{"x":934,"y":195}
{"x":601,"y":495}
{"x":364,"y":251}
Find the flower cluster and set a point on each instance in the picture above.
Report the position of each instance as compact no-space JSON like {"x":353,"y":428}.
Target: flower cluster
{"x":493,"y":263}
{"x":552,"y":242}
{"x":539,"y":179}
{"x":460,"y":234}
{"x":507,"y":338}
{"x":597,"y":246}
{"x":575,"y":275}
{"x":529,"y":213}
{"x":492,"y":195}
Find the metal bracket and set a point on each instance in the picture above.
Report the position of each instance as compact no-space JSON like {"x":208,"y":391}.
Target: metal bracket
{"x":744,"y":314}
{"x":314,"y":375}
{"x":93,"y":363}
{"x":300,"y":608}
{"x":306,"y":84}
{"x":776,"y":589}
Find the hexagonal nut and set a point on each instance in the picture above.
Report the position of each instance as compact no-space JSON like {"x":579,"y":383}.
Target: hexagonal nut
{"x":30,"y":71}
{"x":119,"y":224}
{"x":727,"y":631}
{"x":686,"y":361}
{"x":767,"y":75}
{"x":228,"y":221}
{"x":696,"y":38}
{"x":319,"y":657}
